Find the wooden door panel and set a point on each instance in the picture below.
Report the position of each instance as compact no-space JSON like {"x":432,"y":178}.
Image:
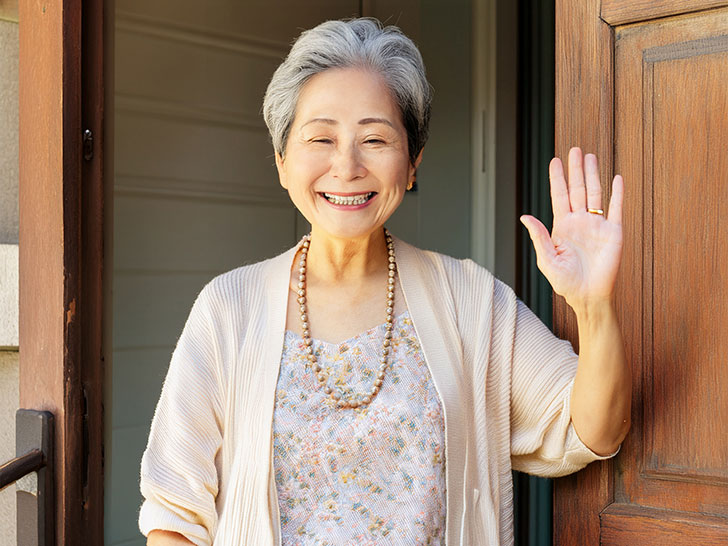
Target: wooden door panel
{"x":669,"y":483}
{"x":685,"y":355}
{"x":670,"y":143}
{"x":619,"y":12}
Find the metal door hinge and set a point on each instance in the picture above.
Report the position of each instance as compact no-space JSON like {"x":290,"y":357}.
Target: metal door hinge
{"x":88,"y":144}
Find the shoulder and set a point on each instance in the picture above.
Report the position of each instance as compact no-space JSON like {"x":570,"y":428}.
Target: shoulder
{"x":240,"y":291}
{"x":248,"y":279}
{"x":460,"y":274}
{"x":471,"y":289}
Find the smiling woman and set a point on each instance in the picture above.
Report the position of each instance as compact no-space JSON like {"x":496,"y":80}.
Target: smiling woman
{"x":358,"y":389}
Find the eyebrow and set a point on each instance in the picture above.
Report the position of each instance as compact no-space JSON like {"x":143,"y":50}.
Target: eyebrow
{"x":320,"y":120}
{"x":365,"y":121}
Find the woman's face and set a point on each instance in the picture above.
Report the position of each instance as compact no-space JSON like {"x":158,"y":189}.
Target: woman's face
{"x":346,"y":165}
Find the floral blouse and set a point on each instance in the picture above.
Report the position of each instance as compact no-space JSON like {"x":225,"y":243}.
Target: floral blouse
{"x":371,"y":475}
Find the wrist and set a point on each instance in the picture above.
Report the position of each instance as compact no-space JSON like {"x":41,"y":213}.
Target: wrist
{"x":593,"y":309}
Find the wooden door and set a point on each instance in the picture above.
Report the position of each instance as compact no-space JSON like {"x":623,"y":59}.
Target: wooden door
{"x":645,"y":86}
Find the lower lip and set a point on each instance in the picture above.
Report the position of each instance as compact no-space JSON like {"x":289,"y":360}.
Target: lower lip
{"x":350,"y":207}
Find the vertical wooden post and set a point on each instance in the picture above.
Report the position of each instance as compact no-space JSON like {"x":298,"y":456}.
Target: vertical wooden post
{"x":584,"y":118}
{"x":61,"y":254}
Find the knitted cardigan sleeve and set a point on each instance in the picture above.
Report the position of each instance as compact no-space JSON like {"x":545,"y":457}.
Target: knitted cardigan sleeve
{"x":180,"y":467}
{"x":543,"y":439}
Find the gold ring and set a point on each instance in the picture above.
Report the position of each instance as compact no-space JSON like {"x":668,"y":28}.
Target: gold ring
{"x":600,"y":212}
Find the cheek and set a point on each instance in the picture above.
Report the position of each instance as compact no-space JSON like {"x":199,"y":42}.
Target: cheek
{"x":308,"y":168}
{"x":399,"y":174}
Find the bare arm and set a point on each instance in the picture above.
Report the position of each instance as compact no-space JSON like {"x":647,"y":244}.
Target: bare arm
{"x":601,"y":398}
{"x":166,"y":538}
{"x":580,"y":258}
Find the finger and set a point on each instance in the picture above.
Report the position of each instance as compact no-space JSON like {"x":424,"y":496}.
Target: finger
{"x":542,"y":244}
{"x":559,"y":190}
{"x":577,"y":194}
{"x":593,"y":186}
{"x":615,"y":203}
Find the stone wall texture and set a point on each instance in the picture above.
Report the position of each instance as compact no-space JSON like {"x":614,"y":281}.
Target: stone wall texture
{"x":8,"y":264}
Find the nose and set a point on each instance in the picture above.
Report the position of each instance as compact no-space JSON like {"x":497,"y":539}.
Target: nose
{"x":347,"y":164}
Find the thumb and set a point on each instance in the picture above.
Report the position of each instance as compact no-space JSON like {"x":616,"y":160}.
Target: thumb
{"x":541,"y":239}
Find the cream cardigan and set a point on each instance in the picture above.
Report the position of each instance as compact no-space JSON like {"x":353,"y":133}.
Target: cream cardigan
{"x":504,"y":379}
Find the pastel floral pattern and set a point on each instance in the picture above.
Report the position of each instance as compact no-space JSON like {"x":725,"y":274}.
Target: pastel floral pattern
{"x":371,"y":475}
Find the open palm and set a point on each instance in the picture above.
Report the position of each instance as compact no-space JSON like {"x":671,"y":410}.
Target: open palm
{"x":581,"y":256}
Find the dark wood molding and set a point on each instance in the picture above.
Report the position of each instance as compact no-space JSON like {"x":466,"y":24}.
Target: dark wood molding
{"x":620,"y":12}
{"x":650,"y":525}
{"x":94,"y":53}
{"x":61,"y":253}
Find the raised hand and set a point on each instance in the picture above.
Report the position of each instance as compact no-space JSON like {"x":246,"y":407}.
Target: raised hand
{"x":581,"y":256}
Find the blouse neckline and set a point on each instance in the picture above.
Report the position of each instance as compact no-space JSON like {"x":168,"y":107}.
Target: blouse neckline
{"x":353,"y":339}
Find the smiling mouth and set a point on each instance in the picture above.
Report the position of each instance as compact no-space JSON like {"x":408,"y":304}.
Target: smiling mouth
{"x":351,"y":200}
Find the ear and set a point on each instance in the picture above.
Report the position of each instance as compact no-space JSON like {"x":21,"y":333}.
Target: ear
{"x":281,"y":166}
{"x":413,"y":170}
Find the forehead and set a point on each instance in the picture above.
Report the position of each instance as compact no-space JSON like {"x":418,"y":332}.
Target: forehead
{"x":347,"y":95}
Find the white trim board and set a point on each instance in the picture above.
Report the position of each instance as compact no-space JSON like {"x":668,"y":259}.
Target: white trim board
{"x":483,"y":131}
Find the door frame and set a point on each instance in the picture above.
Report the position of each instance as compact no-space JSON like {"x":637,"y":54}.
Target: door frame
{"x":61,"y":240}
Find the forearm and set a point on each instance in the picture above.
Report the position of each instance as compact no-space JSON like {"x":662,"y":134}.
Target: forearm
{"x":601,"y":399}
{"x":166,"y":538}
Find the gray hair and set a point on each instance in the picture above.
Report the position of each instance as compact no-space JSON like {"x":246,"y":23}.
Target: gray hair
{"x":354,"y":43}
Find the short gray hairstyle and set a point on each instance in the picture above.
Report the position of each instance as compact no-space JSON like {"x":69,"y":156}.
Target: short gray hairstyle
{"x":354,"y":43}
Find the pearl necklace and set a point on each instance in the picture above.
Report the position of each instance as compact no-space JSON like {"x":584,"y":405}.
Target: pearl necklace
{"x":322,"y":377}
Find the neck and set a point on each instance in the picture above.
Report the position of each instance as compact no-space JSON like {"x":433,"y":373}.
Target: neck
{"x":333,"y":259}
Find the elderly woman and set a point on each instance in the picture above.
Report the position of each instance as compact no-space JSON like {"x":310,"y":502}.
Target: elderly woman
{"x":356,"y":389}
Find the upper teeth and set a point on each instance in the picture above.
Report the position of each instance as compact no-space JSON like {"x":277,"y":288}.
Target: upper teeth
{"x":348,"y":199}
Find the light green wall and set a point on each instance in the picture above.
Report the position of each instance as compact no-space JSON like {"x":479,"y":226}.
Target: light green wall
{"x":444,"y":177}
{"x":442,"y":205}
{"x":507,"y":224}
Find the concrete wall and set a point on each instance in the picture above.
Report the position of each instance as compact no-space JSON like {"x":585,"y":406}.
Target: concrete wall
{"x":8,"y":261}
